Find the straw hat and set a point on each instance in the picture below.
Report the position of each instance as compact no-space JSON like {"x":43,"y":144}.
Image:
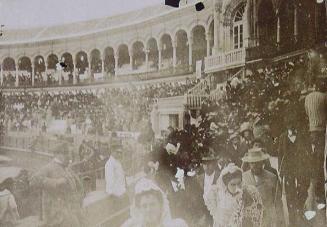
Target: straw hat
{"x":246,"y":126}
{"x":255,"y":155}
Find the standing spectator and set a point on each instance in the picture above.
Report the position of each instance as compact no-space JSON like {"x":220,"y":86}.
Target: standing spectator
{"x":267,"y":185}
{"x":62,"y":191}
{"x":316,"y":109}
{"x":8,"y":207}
{"x":114,"y":173}
{"x":235,"y":150}
{"x":293,"y":162}
{"x":150,"y":207}
{"x":209,"y":178}
{"x":230,"y":204}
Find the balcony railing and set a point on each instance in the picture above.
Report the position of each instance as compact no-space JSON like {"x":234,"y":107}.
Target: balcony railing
{"x":107,"y":78}
{"x":273,"y":51}
{"x":225,"y":60}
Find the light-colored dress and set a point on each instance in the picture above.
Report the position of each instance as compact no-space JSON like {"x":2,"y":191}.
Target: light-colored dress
{"x":144,"y":185}
{"x":241,"y":210}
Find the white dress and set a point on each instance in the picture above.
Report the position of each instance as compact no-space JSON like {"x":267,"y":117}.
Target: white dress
{"x":143,"y":185}
{"x":233,"y":211}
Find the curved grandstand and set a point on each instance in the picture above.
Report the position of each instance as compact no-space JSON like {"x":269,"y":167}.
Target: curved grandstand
{"x":155,"y":41}
{"x":158,"y":77}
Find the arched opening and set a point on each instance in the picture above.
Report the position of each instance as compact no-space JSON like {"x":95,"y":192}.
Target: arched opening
{"x":286,"y":16}
{"x":39,"y":69}
{"x":307,"y":22}
{"x":66,"y":75}
{"x":238,"y":27}
{"x":123,"y":57}
{"x":266,"y":23}
{"x":181,"y":48}
{"x":109,"y":61}
{"x":82,"y":62}
{"x":52,"y":61}
{"x":167,"y":51}
{"x":96,"y":62}
{"x":152,"y":48}
{"x":25,"y":71}
{"x":199,"y":46}
{"x":138,"y":55}
{"x":82,"y":65}
{"x":8,"y":67}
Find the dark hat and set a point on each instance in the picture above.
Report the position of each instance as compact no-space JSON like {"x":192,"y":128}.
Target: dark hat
{"x":210,"y":155}
{"x":116,"y":145}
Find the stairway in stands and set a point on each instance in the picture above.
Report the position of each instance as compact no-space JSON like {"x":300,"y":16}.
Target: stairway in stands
{"x":207,"y":89}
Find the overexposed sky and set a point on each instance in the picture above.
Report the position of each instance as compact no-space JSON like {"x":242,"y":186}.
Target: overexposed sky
{"x":35,"y":13}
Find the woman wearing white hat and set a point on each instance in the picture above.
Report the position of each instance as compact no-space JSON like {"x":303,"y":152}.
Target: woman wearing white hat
{"x":234,"y":205}
{"x":150,"y":207}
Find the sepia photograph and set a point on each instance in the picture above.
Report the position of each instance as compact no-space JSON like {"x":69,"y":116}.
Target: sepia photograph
{"x":163,"y":113}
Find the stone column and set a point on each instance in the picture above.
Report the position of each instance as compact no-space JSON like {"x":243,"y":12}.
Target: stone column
{"x":216,"y":25}
{"x":278,"y":28}
{"x":181,"y":120}
{"x":208,"y":38}
{"x":74,"y":73}
{"x":160,"y":59}
{"x":131,"y":60}
{"x":17,"y":79}
{"x":247,"y":24}
{"x":174,"y":55}
{"x":296,"y":32}
{"x":190,"y":60}
{"x":60,"y":76}
{"x":147,"y":59}
{"x":102,"y":66}
{"x":116,"y":64}
{"x":1,"y":75}
{"x":255,"y":24}
{"x":33,"y":75}
{"x":89,"y":66}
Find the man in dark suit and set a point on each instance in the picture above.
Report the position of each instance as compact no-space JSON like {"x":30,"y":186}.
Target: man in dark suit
{"x":294,"y":167}
{"x":62,"y":191}
{"x":235,"y":149}
{"x":212,"y":166}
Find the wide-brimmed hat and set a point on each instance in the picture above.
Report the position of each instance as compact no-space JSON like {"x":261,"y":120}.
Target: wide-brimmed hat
{"x":233,"y":135}
{"x":255,"y":155}
{"x":246,"y":126}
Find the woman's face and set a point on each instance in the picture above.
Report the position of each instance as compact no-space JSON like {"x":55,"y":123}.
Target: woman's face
{"x":150,"y":208}
{"x":234,"y":186}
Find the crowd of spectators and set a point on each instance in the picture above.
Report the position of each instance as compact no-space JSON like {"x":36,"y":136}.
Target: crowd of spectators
{"x":8,"y":79}
{"x":25,"y":79}
{"x":88,"y":111}
{"x":258,"y":110}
